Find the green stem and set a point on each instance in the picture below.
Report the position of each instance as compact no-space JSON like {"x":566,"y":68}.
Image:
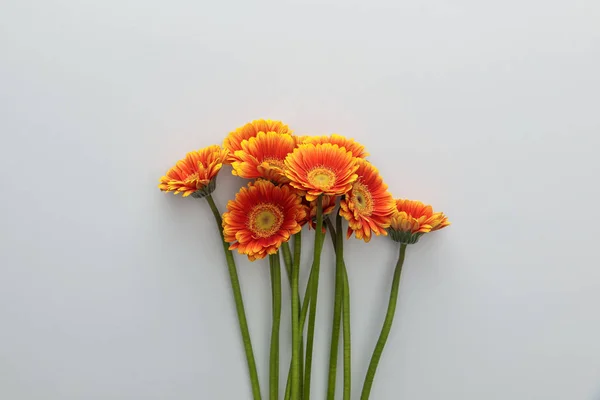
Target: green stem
{"x":287,"y":260}
{"x":303,"y":314}
{"x":337,"y":311}
{"x":288,"y":384}
{"x":331,"y":229}
{"x":239,"y":302}
{"x":347,"y":344}
{"x":314,"y":289}
{"x":387,"y":325}
{"x":274,"y":356}
{"x":345,"y":306}
{"x":308,"y":293}
{"x":296,"y":335}
{"x":345,"y":313}
{"x":292,"y":265}
{"x":297,"y":254}
{"x":306,"y":300}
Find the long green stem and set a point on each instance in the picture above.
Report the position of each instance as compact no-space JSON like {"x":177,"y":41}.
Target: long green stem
{"x":296,"y":334}
{"x":303,"y":314}
{"x":287,"y":258}
{"x":387,"y":325}
{"x":290,"y":264}
{"x":345,"y":307}
{"x":314,"y":289}
{"x":288,"y":387}
{"x":274,"y":355}
{"x":347,"y":344}
{"x":239,"y":303}
{"x":337,"y":312}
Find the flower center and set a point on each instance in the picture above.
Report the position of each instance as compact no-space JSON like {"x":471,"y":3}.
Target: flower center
{"x":321,"y":177}
{"x":274,"y":162}
{"x":265,"y":219}
{"x":361,"y":196}
{"x":192,"y":179}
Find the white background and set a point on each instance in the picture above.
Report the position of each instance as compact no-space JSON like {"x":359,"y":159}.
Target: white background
{"x":110,"y":289}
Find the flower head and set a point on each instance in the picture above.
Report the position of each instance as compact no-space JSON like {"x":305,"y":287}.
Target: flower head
{"x":368,"y":206}
{"x":233,"y":141}
{"x":357,"y":149}
{"x":261,"y":218}
{"x":262,"y":156}
{"x":195,"y":174}
{"x":321,"y":169}
{"x":412,"y":219}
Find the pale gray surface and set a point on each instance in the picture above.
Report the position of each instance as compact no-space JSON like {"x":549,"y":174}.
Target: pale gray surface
{"x":488,"y":110}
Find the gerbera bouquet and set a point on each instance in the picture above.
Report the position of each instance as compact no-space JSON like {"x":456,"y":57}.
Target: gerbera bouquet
{"x":296,"y":181}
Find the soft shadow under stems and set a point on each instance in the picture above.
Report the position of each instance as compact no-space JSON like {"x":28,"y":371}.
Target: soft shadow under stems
{"x":387,"y":325}
{"x":239,"y":302}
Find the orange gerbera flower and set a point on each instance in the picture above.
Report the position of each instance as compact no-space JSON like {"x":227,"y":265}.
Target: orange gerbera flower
{"x":412,"y":219}
{"x":262,"y":156}
{"x":368,"y":207}
{"x":195,"y":174}
{"x":321,"y":169}
{"x":233,"y":142}
{"x":261,"y":218}
{"x":357,"y":149}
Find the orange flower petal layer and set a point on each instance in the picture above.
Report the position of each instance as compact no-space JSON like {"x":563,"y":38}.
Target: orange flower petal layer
{"x":415,"y":217}
{"x":321,"y":169}
{"x":195,"y":171}
{"x":233,"y":141}
{"x":368,"y":207}
{"x":261,"y":218}
{"x":262,"y":156}
{"x":357,"y":149}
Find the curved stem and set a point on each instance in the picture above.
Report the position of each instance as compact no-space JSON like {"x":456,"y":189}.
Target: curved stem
{"x":306,"y":301}
{"x":337,"y":310}
{"x":331,"y":230}
{"x":308,"y":294}
{"x":274,"y":356}
{"x":239,"y":303}
{"x":387,"y":325}
{"x":314,"y":289}
{"x":288,"y":384}
{"x":287,"y":260}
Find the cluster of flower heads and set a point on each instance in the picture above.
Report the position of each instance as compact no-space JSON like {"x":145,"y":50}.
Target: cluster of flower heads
{"x":289,"y":174}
